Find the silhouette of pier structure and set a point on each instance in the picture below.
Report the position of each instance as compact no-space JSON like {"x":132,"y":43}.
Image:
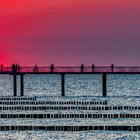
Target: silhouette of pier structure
{"x":63,"y":70}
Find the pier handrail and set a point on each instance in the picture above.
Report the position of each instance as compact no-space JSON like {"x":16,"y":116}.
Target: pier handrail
{"x":74,"y":69}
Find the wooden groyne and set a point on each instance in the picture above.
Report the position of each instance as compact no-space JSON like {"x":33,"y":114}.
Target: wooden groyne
{"x":69,"y":128}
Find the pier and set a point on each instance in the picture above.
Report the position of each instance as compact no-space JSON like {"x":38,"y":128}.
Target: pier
{"x":63,"y":71}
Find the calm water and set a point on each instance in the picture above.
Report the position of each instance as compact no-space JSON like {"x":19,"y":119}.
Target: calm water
{"x":121,"y":90}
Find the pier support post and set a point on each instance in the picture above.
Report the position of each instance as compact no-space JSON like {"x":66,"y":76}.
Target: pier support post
{"x":63,"y":84}
{"x":104,"y":85}
{"x":22,"y":84}
{"x":15,"y":84}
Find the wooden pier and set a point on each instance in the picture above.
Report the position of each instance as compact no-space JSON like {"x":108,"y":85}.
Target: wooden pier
{"x":104,"y":71}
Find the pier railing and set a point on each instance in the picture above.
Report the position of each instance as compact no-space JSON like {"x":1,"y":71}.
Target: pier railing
{"x":74,"y":69}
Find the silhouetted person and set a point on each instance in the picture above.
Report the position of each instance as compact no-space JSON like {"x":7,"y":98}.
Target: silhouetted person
{"x":52,"y":67}
{"x":36,"y":69}
{"x":112,"y":67}
{"x":82,"y":67}
{"x":93,"y":67}
{"x":14,"y":70}
{"x":2,"y":67}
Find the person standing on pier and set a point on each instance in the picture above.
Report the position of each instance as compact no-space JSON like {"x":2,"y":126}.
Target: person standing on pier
{"x":52,"y":67}
{"x":82,"y":67}
{"x":93,"y":67}
{"x":112,"y":67}
{"x":15,"y":68}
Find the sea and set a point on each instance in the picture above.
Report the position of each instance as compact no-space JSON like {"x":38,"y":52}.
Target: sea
{"x":122,"y":90}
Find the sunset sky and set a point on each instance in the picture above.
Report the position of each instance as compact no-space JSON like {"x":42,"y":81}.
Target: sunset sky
{"x":70,"y":32}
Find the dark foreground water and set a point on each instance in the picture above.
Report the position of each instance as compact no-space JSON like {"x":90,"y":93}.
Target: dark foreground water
{"x":122,"y":90}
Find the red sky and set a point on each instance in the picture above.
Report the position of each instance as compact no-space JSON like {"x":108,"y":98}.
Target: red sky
{"x":70,"y":32}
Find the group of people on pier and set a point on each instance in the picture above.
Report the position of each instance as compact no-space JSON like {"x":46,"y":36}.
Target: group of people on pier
{"x":17,"y":68}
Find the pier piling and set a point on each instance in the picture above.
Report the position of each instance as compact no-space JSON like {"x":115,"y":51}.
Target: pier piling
{"x":22,"y":84}
{"x":104,"y":85}
{"x":63,"y":84}
{"x":15,"y":84}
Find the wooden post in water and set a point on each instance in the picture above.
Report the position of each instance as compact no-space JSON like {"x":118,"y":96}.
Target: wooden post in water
{"x":15,"y":84}
{"x":63,"y":84}
{"x":104,"y":84}
{"x":22,"y":84}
